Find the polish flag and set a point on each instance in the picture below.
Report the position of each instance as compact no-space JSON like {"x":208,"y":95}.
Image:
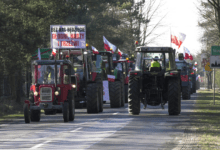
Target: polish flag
{"x":94,"y":50}
{"x":177,"y":39}
{"x":39,"y":55}
{"x":108,"y":46}
{"x":187,"y":54}
{"x":120,"y":52}
{"x":54,"y":52}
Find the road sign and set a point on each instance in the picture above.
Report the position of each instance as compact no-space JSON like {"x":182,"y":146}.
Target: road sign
{"x":207,"y":67}
{"x":215,"y":50}
{"x":215,"y":61}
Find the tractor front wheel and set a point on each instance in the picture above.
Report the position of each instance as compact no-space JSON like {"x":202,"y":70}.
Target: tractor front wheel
{"x":27,"y":117}
{"x":66,"y":111}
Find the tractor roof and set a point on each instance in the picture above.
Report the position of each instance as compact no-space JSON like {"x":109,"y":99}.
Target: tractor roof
{"x":154,"y":49}
{"x":51,"y":62}
{"x":107,"y":53}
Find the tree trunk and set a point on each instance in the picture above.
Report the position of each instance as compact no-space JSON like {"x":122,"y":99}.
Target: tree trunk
{"x":19,"y":87}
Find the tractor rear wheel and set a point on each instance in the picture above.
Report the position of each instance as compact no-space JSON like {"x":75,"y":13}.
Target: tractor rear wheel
{"x":66,"y":111}
{"x":101,"y":99}
{"x":185,"y":92}
{"x":92,"y":98}
{"x":115,"y":94}
{"x":126,"y":93}
{"x":35,"y":115}
{"x":27,"y":117}
{"x":173,"y":97}
{"x":133,"y":95}
{"x":122,"y":93}
{"x":99,"y":81}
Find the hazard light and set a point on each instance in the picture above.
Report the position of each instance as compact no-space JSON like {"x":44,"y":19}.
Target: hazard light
{"x":173,"y":74}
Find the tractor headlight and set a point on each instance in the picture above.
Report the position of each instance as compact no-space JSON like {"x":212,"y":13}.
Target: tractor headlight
{"x":35,"y":93}
{"x":56,"y":93}
{"x":74,"y":86}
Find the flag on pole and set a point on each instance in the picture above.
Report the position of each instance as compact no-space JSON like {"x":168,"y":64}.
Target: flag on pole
{"x":39,"y":55}
{"x":120,"y":52}
{"x":94,"y":50}
{"x":109,"y":46}
{"x":187,"y":54}
{"x":177,"y":38}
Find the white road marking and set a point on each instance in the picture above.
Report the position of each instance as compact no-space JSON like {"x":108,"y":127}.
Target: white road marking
{"x":115,"y":113}
{"x":76,"y":130}
{"x":39,"y":145}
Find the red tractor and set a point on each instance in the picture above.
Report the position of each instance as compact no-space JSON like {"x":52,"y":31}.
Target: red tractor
{"x":51,"y":90}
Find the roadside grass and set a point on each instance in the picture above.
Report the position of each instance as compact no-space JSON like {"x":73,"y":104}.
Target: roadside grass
{"x":207,"y":119}
{"x":9,"y":109}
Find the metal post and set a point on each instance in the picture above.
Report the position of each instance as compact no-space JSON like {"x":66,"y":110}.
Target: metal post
{"x":214,"y":85}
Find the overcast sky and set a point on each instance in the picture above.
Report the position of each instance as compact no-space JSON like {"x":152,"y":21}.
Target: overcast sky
{"x":182,"y":16}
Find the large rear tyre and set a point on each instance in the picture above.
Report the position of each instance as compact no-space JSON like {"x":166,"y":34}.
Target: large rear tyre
{"x":92,"y":98}
{"x":115,"y":94}
{"x":133,"y":95}
{"x":126,"y":93}
{"x":71,"y":101}
{"x":173,"y":97}
{"x":101,"y":99}
{"x":99,"y":81}
{"x":122,"y":93}
{"x":35,"y":115}
{"x":27,"y":116}
{"x":185,"y":92}
{"x":66,"y":111}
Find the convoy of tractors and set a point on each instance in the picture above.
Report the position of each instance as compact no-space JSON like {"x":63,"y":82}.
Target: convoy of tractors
{"x":79,"y":78}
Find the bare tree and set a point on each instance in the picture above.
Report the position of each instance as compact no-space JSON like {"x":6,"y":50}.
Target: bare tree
{"x":150,"y":12}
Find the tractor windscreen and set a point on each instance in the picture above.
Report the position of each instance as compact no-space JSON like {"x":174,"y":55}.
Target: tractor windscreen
{"x":78,"y":65}
{"x":46,"y":74}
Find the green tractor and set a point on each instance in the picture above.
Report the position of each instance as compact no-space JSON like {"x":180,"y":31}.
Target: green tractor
{"x":155,"y":85}
{"x":113,"y":80}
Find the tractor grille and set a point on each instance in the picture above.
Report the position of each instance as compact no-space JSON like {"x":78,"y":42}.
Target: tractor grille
{"x":46,"y":94}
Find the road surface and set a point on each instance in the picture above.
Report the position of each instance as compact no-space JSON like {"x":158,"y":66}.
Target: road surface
{"x":113,"y":129}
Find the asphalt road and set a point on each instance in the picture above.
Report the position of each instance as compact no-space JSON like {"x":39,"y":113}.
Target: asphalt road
{"x":112,"y":129}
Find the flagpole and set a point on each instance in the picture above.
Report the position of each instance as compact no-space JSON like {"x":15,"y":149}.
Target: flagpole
{"x":170,"y":38}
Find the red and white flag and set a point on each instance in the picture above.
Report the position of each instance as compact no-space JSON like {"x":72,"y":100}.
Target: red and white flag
{"x":94,"y":50}
{"x":39,"y":55}
{"x":177,"y":38}
{"x":187,"y":54}
{"x":120,"y":52}
{"x":108,"y":46}
{"x":54,"y":52}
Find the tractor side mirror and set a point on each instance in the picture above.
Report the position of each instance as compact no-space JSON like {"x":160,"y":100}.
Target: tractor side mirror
{"x":67,"y":72}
